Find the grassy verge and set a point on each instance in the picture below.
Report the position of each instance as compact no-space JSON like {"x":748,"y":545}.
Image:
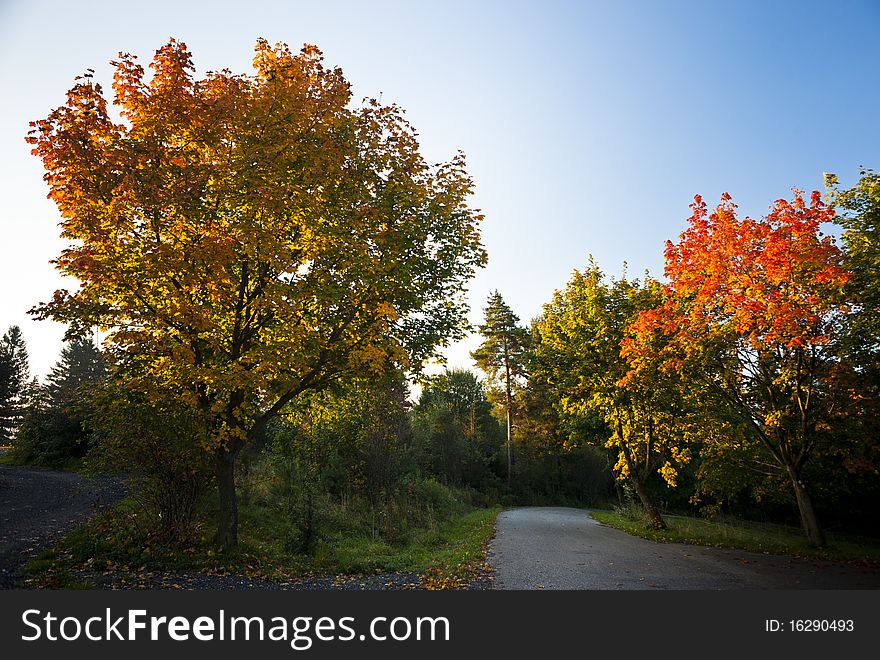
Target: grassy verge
{"x":9,"y":457}
{"x":746,"y":535}
{"x":448,"y":555}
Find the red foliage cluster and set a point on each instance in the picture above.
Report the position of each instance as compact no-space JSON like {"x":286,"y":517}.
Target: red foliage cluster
{"x":772,"y":282}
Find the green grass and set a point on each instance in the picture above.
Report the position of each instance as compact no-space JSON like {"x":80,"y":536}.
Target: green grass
{"x":746,"y":535}
{"x":448,"y":554}
{"x":69,"y":464}
{"x":454,"y":545}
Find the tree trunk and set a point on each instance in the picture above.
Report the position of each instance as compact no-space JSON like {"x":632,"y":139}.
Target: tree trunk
{"x":509,"y":462}
{"x":227,"y":523}
{"x":508,"y":398}
{"x":809,"y":520}
{"x":653,"y":512}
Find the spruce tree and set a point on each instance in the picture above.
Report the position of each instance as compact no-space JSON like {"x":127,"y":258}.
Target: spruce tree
{"x":80,"y":363}
{"x":14,"y":378}
{"x":52,"y":431}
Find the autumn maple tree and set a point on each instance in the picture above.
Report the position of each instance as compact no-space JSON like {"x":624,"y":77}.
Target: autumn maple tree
{"x":582,"y":331}
{"x":755,"y":308}
{"x":245,"y":238}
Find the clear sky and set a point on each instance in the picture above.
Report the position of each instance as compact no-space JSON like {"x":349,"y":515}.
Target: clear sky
{"x":588,"y":126}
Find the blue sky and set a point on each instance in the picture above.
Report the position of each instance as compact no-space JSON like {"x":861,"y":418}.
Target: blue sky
{"x":588,"y":126}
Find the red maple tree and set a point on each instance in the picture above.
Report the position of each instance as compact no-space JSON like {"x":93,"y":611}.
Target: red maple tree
{"x":754,"y":308}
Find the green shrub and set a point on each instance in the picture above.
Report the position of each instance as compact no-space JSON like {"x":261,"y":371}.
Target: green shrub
{"x":156,"y":446}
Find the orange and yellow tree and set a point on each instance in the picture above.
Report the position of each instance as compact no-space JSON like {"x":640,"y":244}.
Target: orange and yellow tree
{"x":245,"y":238}
{"x":582,"y":331}
{"x":754,"y":308}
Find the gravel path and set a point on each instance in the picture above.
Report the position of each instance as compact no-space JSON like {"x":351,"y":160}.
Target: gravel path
{"x":193,"y":580}
{"x":558,"y":548}
{"x":128,"y":577}
{"x":37,"y":506}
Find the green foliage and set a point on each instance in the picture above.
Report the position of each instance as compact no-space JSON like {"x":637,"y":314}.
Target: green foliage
{"x":345,"y":459}
{"x":561,"y":476}
{"x":583,"y":331}
{"x":503,"y":357}
{"x":557,"y":462}
{"x":53,"y":431}
{"x":538,"y":420}
{"x":732,"y":469}
{"x":80,"y":365}
{"x":503,"y":353}
{"x":49,"y":437}
{"x":734,"y":475}
{"x":859,"y":216}
{"x":157,"y":447}
{"x":456,"y":439}
{"x":853,"y":477}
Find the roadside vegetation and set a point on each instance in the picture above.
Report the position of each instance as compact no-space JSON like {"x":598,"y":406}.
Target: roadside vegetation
{"x":741,"y":534}
{"x":109,"y":551}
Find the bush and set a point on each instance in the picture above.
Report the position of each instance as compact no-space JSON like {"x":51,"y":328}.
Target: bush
{"x":289,"y":478}
{"x":157,"y":446}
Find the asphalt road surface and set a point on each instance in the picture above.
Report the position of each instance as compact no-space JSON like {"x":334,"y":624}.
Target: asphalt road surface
{"x":37,"y":506}
{"x":559,"y":548}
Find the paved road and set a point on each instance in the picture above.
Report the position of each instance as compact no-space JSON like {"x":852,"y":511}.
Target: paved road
{"x":36,"y":506}
{"x":558,"y":548}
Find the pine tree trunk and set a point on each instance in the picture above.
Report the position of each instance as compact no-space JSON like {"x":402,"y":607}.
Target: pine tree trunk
{"x":809,"y":519}
{"x":509,"y":462}
{"x":507,"y":405}
{"x":227,"y":523}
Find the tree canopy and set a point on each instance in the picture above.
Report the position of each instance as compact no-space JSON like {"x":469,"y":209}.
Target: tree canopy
{"x":53,"y":429}
{"x":583,"y":329}
{"x":756,"y":307}
{"x":859,"y":214}
{"x":503,"y":356}
{"x":243,"y":238}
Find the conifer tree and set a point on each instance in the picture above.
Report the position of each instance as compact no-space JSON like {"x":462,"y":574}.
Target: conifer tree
{"x":14,"y":377}
{"x":52,"y":430}
{"x":80,"y":363}
{"x":503,"y":356}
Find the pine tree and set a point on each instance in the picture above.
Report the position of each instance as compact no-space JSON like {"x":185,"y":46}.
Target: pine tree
{"x":14,"y":377}
{"x":503,"y":356}
{"x":52,"y":431}
{"x":80,"y":363}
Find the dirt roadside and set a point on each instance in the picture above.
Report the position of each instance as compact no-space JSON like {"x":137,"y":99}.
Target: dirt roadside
{"x":38,"y":506}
